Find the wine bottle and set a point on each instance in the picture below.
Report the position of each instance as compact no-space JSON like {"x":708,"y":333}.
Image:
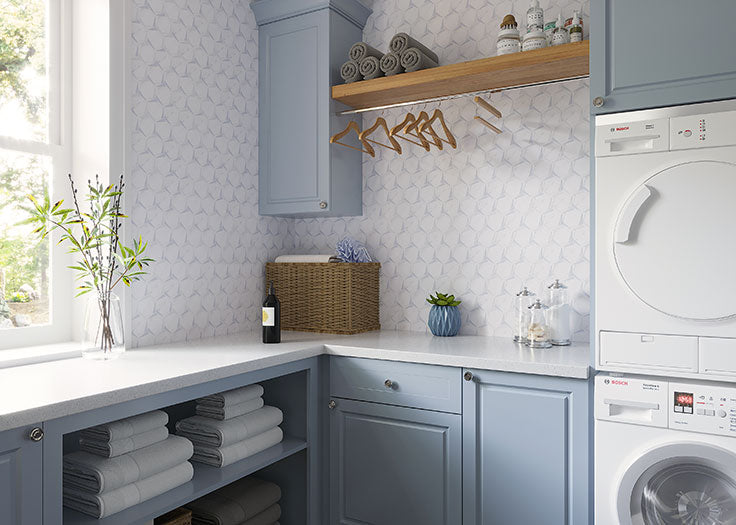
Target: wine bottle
{"x":271,"y":317}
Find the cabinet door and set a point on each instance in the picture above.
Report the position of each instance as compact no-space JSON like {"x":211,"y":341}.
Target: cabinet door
{"x":661,"y":52}
{"x":394,"y":466}
{"x":20,"y":478}
{"x":293,"y":108}
{"x":525,"y":449}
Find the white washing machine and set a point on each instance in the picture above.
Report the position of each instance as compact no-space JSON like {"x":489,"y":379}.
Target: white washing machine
{"x":665,"y":241}
{"x":665,"y":452}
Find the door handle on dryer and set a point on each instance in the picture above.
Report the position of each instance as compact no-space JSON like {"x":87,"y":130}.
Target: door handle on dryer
{"x":631,"y":404}
{"x":628,"y":213}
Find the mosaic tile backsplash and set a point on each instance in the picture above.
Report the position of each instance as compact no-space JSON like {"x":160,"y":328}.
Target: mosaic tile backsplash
{"x":499,"y":212}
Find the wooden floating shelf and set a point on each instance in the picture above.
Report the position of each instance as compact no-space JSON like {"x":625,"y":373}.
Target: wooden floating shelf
{"x":549,"y":64}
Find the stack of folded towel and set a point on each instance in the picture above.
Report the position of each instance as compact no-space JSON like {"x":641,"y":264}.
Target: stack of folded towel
{"x":124,"y":463}
{"x":231,"y":426}
{"x":249,"y":501}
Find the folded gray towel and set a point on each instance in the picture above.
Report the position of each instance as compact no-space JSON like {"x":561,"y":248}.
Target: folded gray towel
{"x":111,"y":449}
{"x":391,"y":64}
{"x":401,"y":42}
{"x":236,"y":503}
{"x":101,"y":505}
{"x":93,"y":473}
{"x":370,"y":67}
{"x":267,"y":517}
{"x":230,"y":411}
{"x":350,"y":72}
{"x":413,"y":59}
{"x":213,"y":433}
{"x":224,"y":456}
{"x":360,"y":50}
{"x":126,"y":427}
{"x":232,"y":397}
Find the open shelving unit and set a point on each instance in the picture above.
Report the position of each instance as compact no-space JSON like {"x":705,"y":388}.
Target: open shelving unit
{"x":527,"y":68}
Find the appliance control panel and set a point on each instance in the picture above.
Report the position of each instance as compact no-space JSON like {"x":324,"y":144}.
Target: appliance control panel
{"x":702,"y":408}
{"x":703,"y":131}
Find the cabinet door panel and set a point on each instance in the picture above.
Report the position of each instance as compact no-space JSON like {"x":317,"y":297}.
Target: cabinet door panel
{"x":394,"y":466}
{"x":20,"y":479}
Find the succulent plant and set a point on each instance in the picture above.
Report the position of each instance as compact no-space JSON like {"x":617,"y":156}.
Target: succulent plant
{"x":441,"y":299}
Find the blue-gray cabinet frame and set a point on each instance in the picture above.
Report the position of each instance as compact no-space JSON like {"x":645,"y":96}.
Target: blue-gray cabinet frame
{"x":302,"y":44}
{"x":526,"y":449}
{"x":20,"y":477}
{"x":661,"y":53}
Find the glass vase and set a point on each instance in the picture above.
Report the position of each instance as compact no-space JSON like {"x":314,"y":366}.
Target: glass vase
{"x":102,"y":336}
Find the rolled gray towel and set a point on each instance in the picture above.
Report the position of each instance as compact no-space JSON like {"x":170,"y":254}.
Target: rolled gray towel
{"x":370,"y":67}
{"x":107,"y":503}
{"x":350,"y":72}
{"x":230,"y":411}
{"x":96,"y":474}
{"x":214,"y":433}
{"x":127,"y":427}
{"x":360,"y":50}
{"x":232,"y":397}
{"x":224,"y":456}
{"x":413,"y":60}
{"x":391,"y":64}
{"x":401,"y":42}
{"x":112,"y":449}
{"x":236,"y":503}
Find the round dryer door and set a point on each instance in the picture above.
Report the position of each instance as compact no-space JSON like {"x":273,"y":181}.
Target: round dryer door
{"x":686,"y":484}
{"x":675,"y":241}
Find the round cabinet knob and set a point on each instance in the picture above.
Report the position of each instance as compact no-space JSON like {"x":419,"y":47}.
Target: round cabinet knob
{"x":331,"y":404}
{"x":599,"y":101}
{"x":388,"y":383}
{"x":36,"y":434}
{"x":323,"y":205}
{"x":468,"y":376}
{"x":721,"y":413}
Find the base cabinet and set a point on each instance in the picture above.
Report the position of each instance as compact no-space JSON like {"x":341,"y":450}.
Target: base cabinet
{"x":525,"y":449}
{"x":393,"y":465}
{"x":21,"y":477}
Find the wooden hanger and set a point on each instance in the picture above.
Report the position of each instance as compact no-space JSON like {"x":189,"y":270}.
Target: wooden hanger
{"x":488,"y":107}
{"x":437,"y":115}
{"x":487,"y":124}
{"x":414,"y":130}
{"x":380,"y":123}
{"x":409,"y":119}
{"x":352,"y":126}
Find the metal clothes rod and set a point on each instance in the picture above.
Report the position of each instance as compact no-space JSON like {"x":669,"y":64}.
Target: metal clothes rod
{"x":461,"y":95}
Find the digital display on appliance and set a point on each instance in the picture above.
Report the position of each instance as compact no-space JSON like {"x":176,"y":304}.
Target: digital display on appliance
{"x":684,"y":402}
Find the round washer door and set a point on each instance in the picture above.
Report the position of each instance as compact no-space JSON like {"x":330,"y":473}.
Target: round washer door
{"x":675,"y":241}
{"x":680,"y":484}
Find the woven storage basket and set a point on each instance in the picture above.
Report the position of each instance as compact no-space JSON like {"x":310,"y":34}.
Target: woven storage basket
{"x":329,"y":298}
{"x":180,"y":516}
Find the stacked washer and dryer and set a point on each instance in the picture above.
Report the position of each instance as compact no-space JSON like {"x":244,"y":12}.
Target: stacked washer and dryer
{"x":665,"y":316}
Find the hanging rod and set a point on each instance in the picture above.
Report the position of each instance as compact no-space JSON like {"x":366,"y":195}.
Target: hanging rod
{"x":461,"y":95}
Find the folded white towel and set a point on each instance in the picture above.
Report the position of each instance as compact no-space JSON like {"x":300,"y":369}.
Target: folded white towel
{"x":307,"y":258}
{"x":232,"y":397}
{"x":111,"y":449}
{"x":127,"y":427}
{"x":96,"y":474}
{"x":214,"y":433}
{"x":224,"y":456}
{"x":236,"y":503}
{"x":107,"y":503}
{"x":229,"y":411}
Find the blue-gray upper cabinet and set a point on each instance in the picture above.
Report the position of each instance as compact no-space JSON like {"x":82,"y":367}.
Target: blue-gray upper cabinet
{"x":392,"y":465}
{"x":21,"y":492}
{"x":660,"y":53}
{"x":302,"y":44}
{"x":525,"y":449}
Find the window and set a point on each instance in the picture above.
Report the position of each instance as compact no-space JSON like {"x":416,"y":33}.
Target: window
{"x":34,"y":158}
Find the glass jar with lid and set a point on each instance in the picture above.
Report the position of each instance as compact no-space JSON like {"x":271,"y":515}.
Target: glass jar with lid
{"x":558,"y":315}
{"x":538,"y":332}
{"x":524,"y":299}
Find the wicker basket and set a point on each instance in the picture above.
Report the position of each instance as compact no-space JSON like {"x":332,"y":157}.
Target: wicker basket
{"x":330,"y":298}
{"x":180,"y":516}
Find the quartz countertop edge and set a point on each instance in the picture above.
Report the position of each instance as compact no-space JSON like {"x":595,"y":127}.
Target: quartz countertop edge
{"x":72,"y":386}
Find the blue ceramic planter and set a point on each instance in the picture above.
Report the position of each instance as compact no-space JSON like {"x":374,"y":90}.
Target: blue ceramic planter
{"x":444,"y":320}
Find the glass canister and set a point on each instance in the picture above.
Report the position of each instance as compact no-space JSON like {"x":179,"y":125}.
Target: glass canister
{"x":558,"y":315}
{"x":538,"y":332}
{"x":524,"y":299}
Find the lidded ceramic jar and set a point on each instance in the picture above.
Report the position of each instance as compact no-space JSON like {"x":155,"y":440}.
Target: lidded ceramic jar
{"x":534,"y":40}
{"x":560,"y":35}
{"x":508,"y":37}
{"x":534,"y":16}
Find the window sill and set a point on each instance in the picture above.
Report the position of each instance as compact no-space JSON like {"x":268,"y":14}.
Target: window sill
{"x":39,"y":354}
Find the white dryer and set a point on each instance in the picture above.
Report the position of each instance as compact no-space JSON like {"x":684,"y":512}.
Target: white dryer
{"x":665,"y":452}
{"x":665,"y":241}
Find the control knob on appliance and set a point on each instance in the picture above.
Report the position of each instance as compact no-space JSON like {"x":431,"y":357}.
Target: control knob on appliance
{"x":721,"y":413}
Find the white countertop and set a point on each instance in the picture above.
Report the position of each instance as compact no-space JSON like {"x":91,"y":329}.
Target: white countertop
{"x":39,"y":392}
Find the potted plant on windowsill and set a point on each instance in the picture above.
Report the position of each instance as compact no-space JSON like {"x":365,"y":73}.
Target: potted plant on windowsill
{"x":444,"y":317}
{"x":92,"y":231}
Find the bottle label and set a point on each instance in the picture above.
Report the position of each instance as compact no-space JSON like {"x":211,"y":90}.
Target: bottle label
{"x":269,"y":316}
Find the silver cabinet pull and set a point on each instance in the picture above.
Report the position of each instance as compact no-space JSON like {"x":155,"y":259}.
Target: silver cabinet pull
{"x":36,"y":434}
{"x":599,"y":101}
{"x":331,"y":404}
{"x":388,"y":383}
{"x":323,"y":205}
{"x":468,"y":376}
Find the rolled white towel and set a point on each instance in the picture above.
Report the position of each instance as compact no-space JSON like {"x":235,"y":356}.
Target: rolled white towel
{"x":307,"y":258}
